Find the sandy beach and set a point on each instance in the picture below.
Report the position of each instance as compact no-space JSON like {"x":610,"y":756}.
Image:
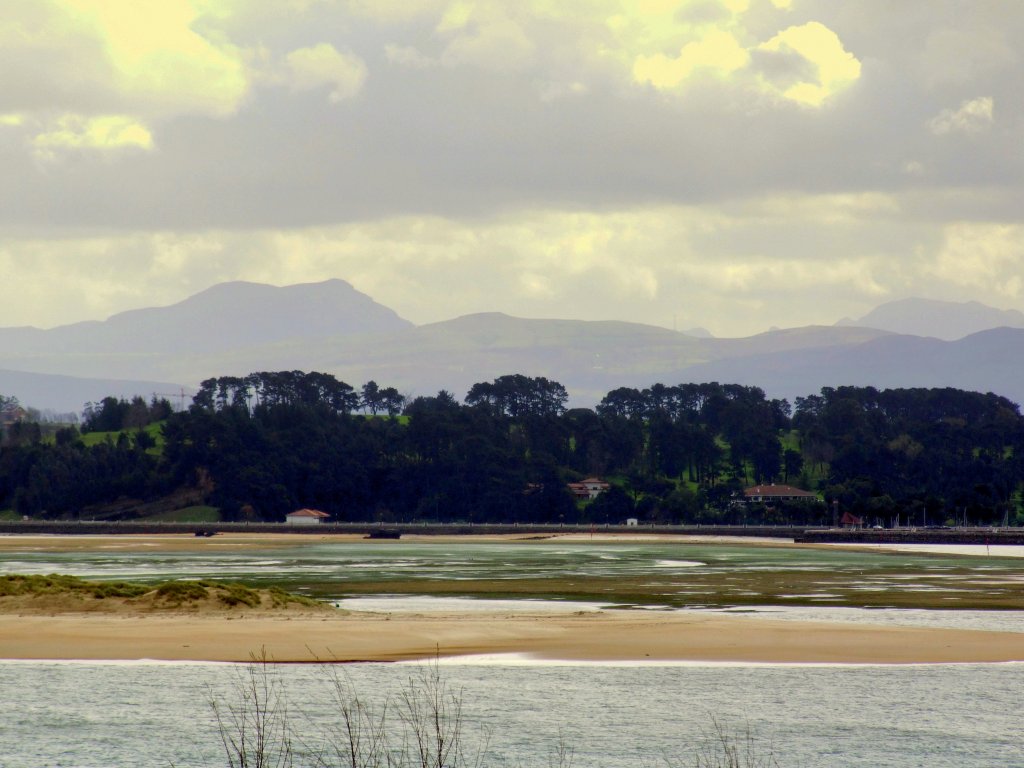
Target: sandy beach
{"x":166,"y":542}
{"x":606,"y":635}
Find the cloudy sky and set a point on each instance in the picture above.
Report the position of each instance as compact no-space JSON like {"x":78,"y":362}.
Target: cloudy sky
{"x":732,"y":164}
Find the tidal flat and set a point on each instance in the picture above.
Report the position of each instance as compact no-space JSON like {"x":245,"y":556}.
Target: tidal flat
{"x":650,"y":573}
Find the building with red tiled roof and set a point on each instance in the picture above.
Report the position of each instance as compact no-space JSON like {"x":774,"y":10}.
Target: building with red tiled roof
{"x":306,"y":517}
{"x":11,"y":413}
{"x":850,"y":520}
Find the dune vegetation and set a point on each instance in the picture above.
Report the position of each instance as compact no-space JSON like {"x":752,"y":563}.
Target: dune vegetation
{"x":61,"y":593}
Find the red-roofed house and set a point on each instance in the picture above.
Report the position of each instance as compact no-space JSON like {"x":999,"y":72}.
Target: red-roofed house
{"x":851,"y":521}
{"x":11,"y":413}
{"x":306,"y":517}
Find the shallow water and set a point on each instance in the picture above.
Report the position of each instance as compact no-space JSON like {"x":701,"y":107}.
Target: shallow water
{"x":941,"y":716}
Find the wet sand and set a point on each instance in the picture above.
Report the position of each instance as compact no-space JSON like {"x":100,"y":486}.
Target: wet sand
{"x":601,"y":636}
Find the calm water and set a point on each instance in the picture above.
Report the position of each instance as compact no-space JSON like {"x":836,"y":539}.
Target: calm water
{"x":941,"y":716}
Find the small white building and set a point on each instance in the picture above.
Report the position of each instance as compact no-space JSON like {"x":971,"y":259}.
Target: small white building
{"x":632,"y":522}
{"x":589,"y":489}
{"x":306,"y":517}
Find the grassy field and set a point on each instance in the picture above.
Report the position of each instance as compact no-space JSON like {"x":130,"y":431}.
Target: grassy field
{"x":194,"y":514}
{"x":154,"y":430}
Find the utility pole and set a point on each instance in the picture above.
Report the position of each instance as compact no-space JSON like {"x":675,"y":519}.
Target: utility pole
{"x":180,"y":396}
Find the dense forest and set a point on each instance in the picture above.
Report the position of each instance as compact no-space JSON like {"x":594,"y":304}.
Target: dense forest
{"x":260,"y":446}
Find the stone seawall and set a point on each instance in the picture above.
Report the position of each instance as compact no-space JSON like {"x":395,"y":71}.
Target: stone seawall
{"x":912,"y":536}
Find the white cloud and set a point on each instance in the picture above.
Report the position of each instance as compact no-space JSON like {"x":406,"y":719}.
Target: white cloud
{"x":99,"y":75}
{"x":145,"y":58}
{"x":104,"y":133}
{"x":669,"y":46}
{"x":323,"y":66}
{"x":835,"y":68}
{"x":971,"y":117}
{"x":717,"y":51}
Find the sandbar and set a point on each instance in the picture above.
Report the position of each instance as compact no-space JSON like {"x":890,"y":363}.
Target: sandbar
{"x":612,"y":635}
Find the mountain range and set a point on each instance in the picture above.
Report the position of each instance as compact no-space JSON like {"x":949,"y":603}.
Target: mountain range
{"x":235,"y":328}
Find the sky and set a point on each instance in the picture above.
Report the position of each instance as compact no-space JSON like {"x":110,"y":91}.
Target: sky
{"x":729,"y":164}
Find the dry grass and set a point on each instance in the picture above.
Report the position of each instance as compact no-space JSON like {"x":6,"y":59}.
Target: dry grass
{"x":57,"y":593}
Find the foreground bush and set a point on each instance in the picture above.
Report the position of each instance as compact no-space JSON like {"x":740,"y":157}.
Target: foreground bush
{"x":422,"y":726}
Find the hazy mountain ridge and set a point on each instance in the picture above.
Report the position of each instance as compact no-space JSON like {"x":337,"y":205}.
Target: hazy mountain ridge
{"x":236,"y":328}
{"x":947,"y":320}
{"x":220,"y":318}
{"x":68,"y":394}
{"x":988,"y":361}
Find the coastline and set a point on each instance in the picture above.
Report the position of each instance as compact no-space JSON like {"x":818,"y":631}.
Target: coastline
{"x":599,"y":636}
{"x":607,"y":635}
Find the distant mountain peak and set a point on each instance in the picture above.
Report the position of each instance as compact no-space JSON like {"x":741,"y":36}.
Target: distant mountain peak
{"x":947,"y":320}
{"x":220,"y":319}
{"x":699,"y":332}
{"x":243,"y":289}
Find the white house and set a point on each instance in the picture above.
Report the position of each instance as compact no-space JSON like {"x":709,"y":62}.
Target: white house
{"x":306,"y":517}
{"x":590,"y":488}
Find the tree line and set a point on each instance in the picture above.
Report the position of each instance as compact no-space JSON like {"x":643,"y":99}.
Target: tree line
{"x":263,"y":445}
